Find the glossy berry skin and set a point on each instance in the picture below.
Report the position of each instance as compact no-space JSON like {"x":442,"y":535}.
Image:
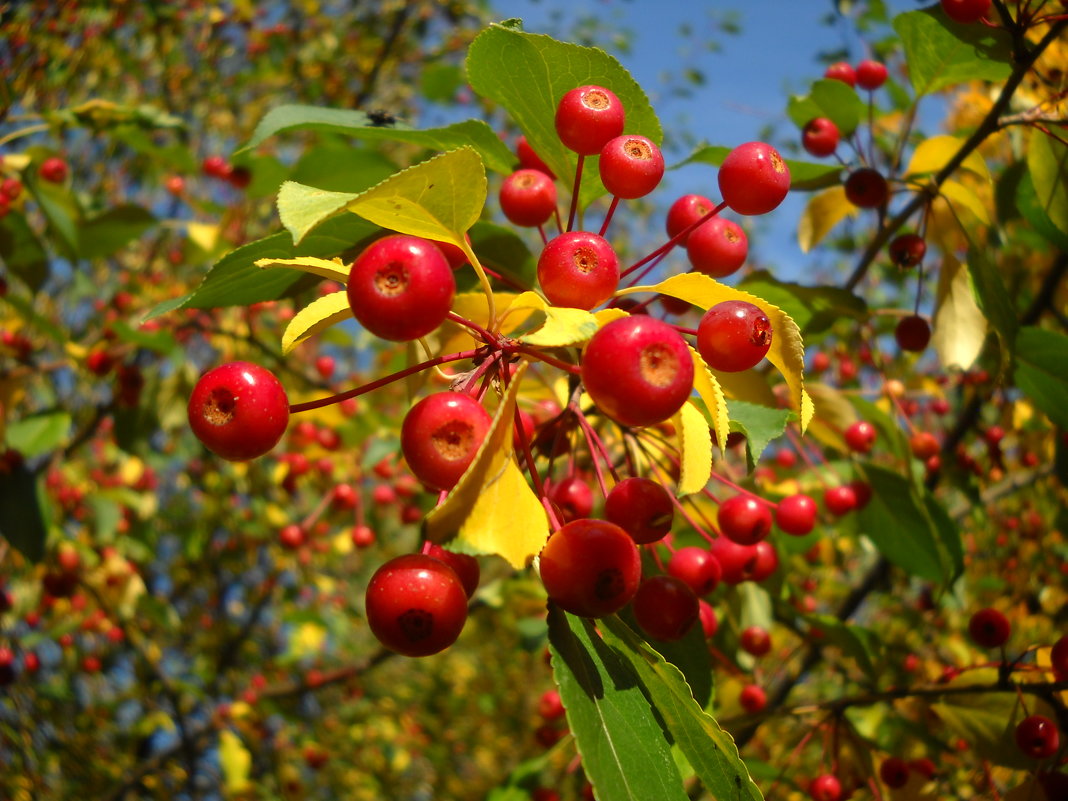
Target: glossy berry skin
{"x":866,"y":188}
{"x":440,"y":436}
{"x":416,"y":605}
{"x":825,"y":787}
{"x":840,"y":500}
{"x":733,"y":336}
{"x":860,"y":436}
{"x":1037,"y":737}
{"x":590,"y":568}
{"x":578,"y":270}
{"x":989,"y":628}
{"x":796,"y":514}
{"x":631,"y":166}
{"x":907,"y":250}
{"x":238,"y":410}
{"x":1058,"y":658}
{"x":841,"y":71}
{"x":913,"y":333}
{"x":744,"y":520}
{"x":755,"y":641}
{"x":401,"y":288}
{"x":464,"y":565}
{"x":530,"y":160}
{"x":697,"y":567}
{"x":717,"y":248}
{"x":573,"y":497}
{"x":215,"y":166}
{"x":738,"y":562}
{"x":753,"y":699}
{"x":966,"y":11}
{"x":54,"y":170}
{"x":291,"y":537}
{"x":588,"y":117}
{"x":638,"y":370}
{"x":894,"y":772}
{"x":665,"y":608}
{"x":707,"y":616}
{"x":754,"y":178}
{"x":641,"y":507}
{"x":820,"y":137}
{"x":684,"y":212}
{"x":528,"y":198}
{"x":871,"y":74}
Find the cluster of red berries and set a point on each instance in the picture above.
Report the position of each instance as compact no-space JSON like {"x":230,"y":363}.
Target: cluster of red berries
{"x":10,"y":189}
{"x":238,"y":177}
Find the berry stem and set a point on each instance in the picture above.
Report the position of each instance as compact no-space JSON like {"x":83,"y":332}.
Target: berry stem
{"x":663,"y":249}
{"x":608,"y":216}
{"x":534,"y":353}
{"x":483,"y":281}
{"x":575,"y":192}
{"x":487,"y":337}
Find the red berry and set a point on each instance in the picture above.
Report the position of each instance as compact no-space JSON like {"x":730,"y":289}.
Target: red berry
{"x":707,"y":615}
{"x":733,"y":336}
{"x":785,"y":459}
{"x":590,"y":568}
{"x":641,"y":507}
{"x":820,"y":137}
{"x":825,"y":787}
{"x":861,"y":491}
{"x":907,"y":250}
{"x":717,"y":248}
{"x":238,"y":410}
{"x":363,"y":536}
{"x":894,"y":772}
{"x":587,"y":117}
{"x":1058,"y":658}
{"x":697,"y":567}
{"x":755,"y":640}
{"x":631,"y":166}
{"x":871,"y":74}
{"x":665,"y":608}
{"x":1037,"y":737}
{"x":841,"y":71}
{"x":464,"y":565}
{"x":578,"y":270}
{"x":454,"y":254}
{"x":440,"y":436}
{"x":866,"y":188}
{"x":54,"y":170}
{"x":738,"y":562}
{"x":344,"y":496}
{"x":753,"y":698}
{"x":765,"y":561}
{"x":989,"y":628}
{"x":573,"y":497}
{"x":550,"y":705}
{"x":754,"y":178}
{"x":796,"y":514}
{"x":401,"y":288}
{"x":860,"y":436}
{"x":529,"y":160}
{"x":840,"y":500}
{"x":215,"y":166}
{"x":324,"y":366}
{"x":924,"y":445}
{"x":239,"y":177}
{"x":528,"y":198}
{"x":11,"y":188}
{"x":416,"y":605}
{"x":684,"y":212}
{"x":175,"y":185}
{"x":291,"y":536}
{"x":913,"y":333}
{"x":966,"y":11}
{"x":744,"y":520}
{"x":638,"y":370}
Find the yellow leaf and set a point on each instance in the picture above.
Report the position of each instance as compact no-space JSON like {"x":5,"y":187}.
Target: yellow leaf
{"x":16,"y":161}
{"x":492,"y":509}
{"x":695,"y":449}
{"x":131,"y":470}
{"x":935,"y":153}
{"x":605,"y":316}
{"x":315,"y":317}
{"x":787,"y":352}
{"x":440,"y":198}
{"x":342,"y":543}
{"x":708,"y":388}
{"x":562,"y":326}
{"x":307,"y":640}
{"x":958,"y":195}
{"x":748,"y":385}
{"x":822,"y":213}
{"x":236,"y":762}
{"x":472,"y":306}
{"x":1023,"y":412}
{"x":326,"y":268}
{"x":76,"y":350}
{"x":959,"y":325}
{"x":204,"y":235}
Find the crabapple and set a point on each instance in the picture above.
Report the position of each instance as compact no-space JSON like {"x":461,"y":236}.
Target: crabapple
{"x":440,"y":436}
{"x":238,"y":410}
{"x":590,"y":568}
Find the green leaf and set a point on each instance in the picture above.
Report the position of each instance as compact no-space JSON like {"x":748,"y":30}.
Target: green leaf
{"x":835,"y":100}
{"x":942,"y":53}
{"x":623,"y":749}
{"x":1047,"y":161}
{"x":804,"y":175}
{"x":1042,"y":371}
{"x":503,"y":251}
{"x":759,"y":424}
{"x":440,"y":82}
{"x":813,"y":308}
{"x":710,"y":750}
{"x":474,"y":133}
{"x":112,"y":230}
{"x":1025,"y":199}
{"x":529,"y":73}
{"x":22,"y":252}
{"x":21,"y":521}
{"x":862,"y":644}
{"x":60,"y":209}
{"x":897,"y":521}
{"x":235,"y":280}
{"x":340,"y":167}
{"x":992,"y":295}
{"x":38,"y":434}
{"x":160,"y":341}
{"x":301,"y":208}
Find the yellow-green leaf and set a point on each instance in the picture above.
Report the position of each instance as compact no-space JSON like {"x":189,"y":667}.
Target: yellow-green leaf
{"x":935,"y":153}
{"x":712,"y":394}
{"x":695,"y":449}
{"x":822,"y":213}
{"x":236,"y":762}
{"x":301,"y":208}
{"x":204,"y":235}
{"x":562,"y":326}
{"x":749,"y":386}
{"x":438,"y":199}
{"x":492,"y":509}
{"x":957,"y":194}
{"x":787,"y":352}
{"x":959,"y":324}
{"x":834,"y":414}
{"x":332,"y":269}
{"x":315,"y":317}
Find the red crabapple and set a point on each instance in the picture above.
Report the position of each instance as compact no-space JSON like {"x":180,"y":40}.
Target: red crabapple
{"x":989,"y":628}
{"x":966,"y":11}
{"x":796,"y":514}
{"x":631,"y":166}
{"x":697,"y":567}
{"x":866,"y":188}
{"x":528,"y":198}
{"x":841,"y":71}
{"x":590,"y":568}
{"x":238,"y":410}
{"x":1037,"y":737}
{"x":578,"y":270}
{"x":684,"y":212}
{"x":665,"y":608}
{"x":587,"y":117}
{"x":754,"y":178}
{"x":860,"y":436}
{"x":717,"y":248}
{"x":820,"y":137}
{"x":441,"y":435}
{"x":641,"y":507}
{"x":912,"y":333}
{"x":753,"y":699}
{"x":871,"y":74}
{"x":744,"y":520}
{"x":734,"y":335}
